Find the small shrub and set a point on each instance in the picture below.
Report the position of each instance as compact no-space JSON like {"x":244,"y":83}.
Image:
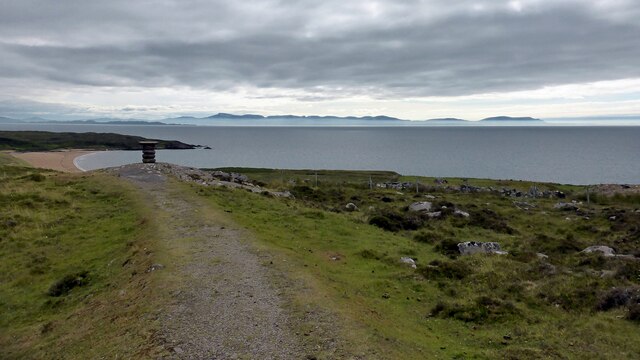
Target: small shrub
{"x":553,"y":245}
{"x":370,"y":254}
{"x":312,"y":214}
{"x":67,"y":283}
{"x":574,"y":297}
{"x":446,"y":269}
{"x":490,"y":220}
{"x":37,"y":177}
{"x":428,"y":237}
{"x":524,"y":256}
{"x":592,"y":260}
{"x":541,"y":269}
{"x":628,"y":270}
{"x":485,"y":309}
{"x":393,"y":221}
{"x":634,"y":312}
{"x":384,"y":223}
{"x":448,"y":247}
{"x":617,"y":297}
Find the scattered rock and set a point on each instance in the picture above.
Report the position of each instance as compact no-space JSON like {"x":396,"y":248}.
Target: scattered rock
{"x":282,"y":194}
{"x":351,"y":207}
{"x":604,"y":250}
{"x":461,"y":213}
{"x":420,"y":206}
{"x":434,"y":215}
{"x":155,"y":267}
{"x":409,"y":261}
{"x":607,"y":274}
{"x":469,"y":189}
{"x":430,"y":197}
{"x":386,"y":296}
{"x":523,"y":205}
{"x":608,"y":252}
{"x":566,"y":206}
{"x":178,"y":350}
{"x":473,"y":247}
{"x":542,"y":256}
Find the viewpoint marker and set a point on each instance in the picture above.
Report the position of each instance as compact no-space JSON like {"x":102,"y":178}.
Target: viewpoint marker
{"x":148,"y":151}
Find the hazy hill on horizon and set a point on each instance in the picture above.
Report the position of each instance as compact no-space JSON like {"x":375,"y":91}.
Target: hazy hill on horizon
{"x":227,"y":119}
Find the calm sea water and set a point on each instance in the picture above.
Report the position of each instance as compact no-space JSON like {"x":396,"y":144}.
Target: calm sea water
{"x":577,"y":155}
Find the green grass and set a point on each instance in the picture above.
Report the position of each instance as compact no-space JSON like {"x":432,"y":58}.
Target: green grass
{"x":514,"y":306}
{"x":75,"y":249}
{"x":72,"y":270}
{"x":8,"y":160}
{"x":279,"y":178}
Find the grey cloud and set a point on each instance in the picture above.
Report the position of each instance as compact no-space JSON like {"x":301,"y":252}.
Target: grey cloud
{"x":453,"y":51}
{"x":22,"y":109}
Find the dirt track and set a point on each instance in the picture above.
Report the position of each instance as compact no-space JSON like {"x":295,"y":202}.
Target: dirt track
{"x":225,"y":305}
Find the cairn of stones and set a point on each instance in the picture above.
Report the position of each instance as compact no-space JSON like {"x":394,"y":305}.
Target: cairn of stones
{"x":148,"y":151}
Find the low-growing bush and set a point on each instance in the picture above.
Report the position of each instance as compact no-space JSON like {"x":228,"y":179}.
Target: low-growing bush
{"x":371,"y":254}
{"x":618,"y":297}
{"x":490,"y":220}
{"x":67,"y":283}
{"x":628,"y":270}
{"x":554,"y":245}
{"x":573,"y":297}
{"x":428,"y":237}
{"x":454,"y":269}
{"x":634,"y":312}
{"x":37,"y":177}
{"x":385,"y":223}
{"x":448,"y":247}
{"x":393,"y":221}
{"x":485,"y":309}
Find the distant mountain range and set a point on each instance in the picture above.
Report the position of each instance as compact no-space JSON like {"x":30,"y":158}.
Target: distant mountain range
{"x":291,"y":120}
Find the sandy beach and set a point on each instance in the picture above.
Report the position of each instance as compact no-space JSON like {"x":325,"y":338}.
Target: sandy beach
{"x":54,"y":160}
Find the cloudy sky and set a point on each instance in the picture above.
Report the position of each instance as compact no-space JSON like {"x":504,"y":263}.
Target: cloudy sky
{"x":410,"y":59}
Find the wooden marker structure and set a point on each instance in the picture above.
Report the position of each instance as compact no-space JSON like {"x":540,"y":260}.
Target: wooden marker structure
{"x":148,"y":151}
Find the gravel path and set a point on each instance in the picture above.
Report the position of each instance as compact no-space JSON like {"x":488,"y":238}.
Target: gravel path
{"x":226,"y":307}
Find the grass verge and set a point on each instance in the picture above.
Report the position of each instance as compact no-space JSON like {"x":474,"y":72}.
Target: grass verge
{"x":73,"y":281}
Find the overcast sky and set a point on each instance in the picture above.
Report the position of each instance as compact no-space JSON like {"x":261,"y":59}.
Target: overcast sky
{"x":410,"y":59}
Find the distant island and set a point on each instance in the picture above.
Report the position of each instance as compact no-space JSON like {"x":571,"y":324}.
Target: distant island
{"x":227,"y":119}
{"x":511,"y":119}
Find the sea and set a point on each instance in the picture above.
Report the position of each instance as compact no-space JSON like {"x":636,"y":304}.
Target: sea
{"x":569,"y":155}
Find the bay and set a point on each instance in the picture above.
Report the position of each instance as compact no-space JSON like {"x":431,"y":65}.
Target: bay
{"x":576,"y":155}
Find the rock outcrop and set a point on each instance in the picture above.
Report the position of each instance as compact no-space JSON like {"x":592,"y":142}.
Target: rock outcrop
{"x":473,"y":247}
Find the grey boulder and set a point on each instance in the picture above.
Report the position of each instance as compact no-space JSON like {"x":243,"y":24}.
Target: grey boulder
{"x":420,"y":206}
{"x":474,"y":247}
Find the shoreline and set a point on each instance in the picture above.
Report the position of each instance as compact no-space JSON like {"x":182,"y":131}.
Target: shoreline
{"x":62,"y":160}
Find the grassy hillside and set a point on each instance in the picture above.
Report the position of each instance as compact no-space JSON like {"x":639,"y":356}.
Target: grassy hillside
{"x":567,"y":305}
{"x":44,"y":141}
{"x":73,"y":267}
